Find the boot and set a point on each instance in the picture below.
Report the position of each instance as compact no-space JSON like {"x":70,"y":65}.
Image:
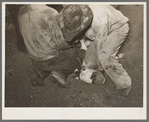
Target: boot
{"x":36,"y":78}
{"x":126,"y":92}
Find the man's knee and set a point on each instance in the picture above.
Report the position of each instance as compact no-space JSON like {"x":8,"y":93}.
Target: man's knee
{"x":126,"y":83}
{"x":125,"y":29}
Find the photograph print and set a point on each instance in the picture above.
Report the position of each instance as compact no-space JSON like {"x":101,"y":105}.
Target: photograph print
{"x":74,"y":55}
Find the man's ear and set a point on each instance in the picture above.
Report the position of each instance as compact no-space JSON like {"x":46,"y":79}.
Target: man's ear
{"x":94,"y":67}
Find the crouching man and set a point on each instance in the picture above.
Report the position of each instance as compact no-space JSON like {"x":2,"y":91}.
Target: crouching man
{"x":48,"y":36}
{"x":108,"y":31}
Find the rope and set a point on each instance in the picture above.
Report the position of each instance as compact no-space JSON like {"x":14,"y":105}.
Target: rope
{"x":77,"y":54}
{"x":77,"y":58}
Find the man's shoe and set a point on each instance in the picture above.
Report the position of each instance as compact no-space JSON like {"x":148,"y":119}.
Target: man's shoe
{"x":51,"y":78}
{"x":126,"y":92}
{"x":35,"y":78}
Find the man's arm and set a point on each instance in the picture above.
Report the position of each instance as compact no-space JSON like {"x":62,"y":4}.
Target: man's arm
{"x":102,"y":33}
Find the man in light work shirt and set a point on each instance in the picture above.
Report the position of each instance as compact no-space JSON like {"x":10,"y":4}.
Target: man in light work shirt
{"x":48,"y":36}
{"x":108,"y":31}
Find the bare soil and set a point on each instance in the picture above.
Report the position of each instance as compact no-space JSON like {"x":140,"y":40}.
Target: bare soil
{"x":20,"y":93}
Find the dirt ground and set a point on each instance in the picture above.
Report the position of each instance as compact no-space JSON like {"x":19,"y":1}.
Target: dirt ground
{"x":20,"y":93}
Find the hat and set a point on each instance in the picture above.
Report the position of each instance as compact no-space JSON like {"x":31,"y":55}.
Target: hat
{"x":73,"y":19}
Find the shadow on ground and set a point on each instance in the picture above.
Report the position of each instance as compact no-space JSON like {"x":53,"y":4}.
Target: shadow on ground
{"x":20,"y":93}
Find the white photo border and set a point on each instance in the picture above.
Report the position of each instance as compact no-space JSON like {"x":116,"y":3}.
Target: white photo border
{"x":54,"y":113}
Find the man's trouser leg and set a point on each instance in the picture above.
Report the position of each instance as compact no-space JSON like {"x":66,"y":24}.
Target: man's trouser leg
{"x":61,"y":66}
{"x":108,"y":60}
{"x":71,"y":63}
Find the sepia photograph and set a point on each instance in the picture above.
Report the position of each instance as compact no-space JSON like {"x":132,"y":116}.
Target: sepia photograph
{"x":78,"y":56}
